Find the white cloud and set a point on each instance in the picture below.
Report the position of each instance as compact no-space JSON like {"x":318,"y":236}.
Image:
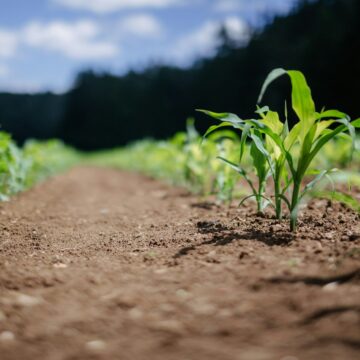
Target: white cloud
{"x":237,"y":28}
{"x":199,"y":42}
{"x":77,"y":40}
{"x":141,"y":25}
{"x":107,"y":6}
{"x":8,"y":44}
{"x":204,"y":40}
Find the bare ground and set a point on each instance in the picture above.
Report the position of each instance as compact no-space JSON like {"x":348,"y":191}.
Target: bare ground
{"x":103,"y":264}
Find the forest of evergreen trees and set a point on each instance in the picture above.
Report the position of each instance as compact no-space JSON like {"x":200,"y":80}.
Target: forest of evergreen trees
{"x":319,"y":38}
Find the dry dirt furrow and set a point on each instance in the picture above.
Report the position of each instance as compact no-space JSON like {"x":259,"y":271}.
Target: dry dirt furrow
{"x":103,"y":264}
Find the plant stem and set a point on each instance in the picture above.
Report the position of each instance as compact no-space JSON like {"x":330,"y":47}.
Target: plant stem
{"x":259,"y":198}
{"x":294,"y":205}
{"x":277,"y":198}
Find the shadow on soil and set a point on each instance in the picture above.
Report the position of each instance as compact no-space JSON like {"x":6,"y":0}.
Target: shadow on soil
{"x":223,"y":235}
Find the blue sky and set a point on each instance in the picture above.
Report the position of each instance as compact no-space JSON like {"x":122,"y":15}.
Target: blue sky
{"x":44,"y":43}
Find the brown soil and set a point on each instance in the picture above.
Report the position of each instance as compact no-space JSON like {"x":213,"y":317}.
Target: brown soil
{"x":103,"y":264}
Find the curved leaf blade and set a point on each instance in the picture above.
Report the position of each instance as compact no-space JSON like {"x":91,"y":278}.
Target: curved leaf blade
{"x":276,"y":73}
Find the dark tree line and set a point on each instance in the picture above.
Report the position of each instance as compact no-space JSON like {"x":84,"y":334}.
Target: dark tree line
{"x":26,"y":116}
{"x":319,"y":38}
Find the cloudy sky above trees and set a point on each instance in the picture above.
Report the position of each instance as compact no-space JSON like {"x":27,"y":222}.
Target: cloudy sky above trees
{"x":44,"y":43}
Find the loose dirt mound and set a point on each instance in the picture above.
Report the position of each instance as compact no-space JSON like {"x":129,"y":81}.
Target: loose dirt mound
{"x":102,"y":264}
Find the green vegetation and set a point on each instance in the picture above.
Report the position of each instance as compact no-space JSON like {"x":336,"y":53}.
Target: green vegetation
{"x":282,"y":154}
{"x":185,"y":159}
{"x":204,"y":166}
{"x":278,"y":165}
{"x":207,"y":166}
{"x":21,"y":168}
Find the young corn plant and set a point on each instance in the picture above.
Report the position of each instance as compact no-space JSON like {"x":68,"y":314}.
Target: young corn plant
{"x":289,"y":153}
{"x":312,"y":131}
{"x":259,"y":160}
{"x":225,"y":178}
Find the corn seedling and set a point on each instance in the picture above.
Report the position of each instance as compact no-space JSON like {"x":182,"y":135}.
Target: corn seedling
{"x":259,"y":161}
{"x":280,"y":153}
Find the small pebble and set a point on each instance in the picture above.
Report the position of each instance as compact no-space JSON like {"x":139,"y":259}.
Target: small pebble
{"x":331,"y":286}
{"x":160,"y":271}
{"x":135,"y":313}
{"x":60,"y":266}
{"x":27,"y":301}
{"x":95,"y":345}
{"x":329,"y":235}
{"x":183,"y":294}
{"x":203,"y":308}
{"x":211,"y":253}
{"x":7,"y":336}
{"x":275,"y":228}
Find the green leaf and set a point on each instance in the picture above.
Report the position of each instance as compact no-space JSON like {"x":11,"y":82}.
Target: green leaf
{"x":268,"y":201}
{"x":292,"y":136}
{"x":213,"y":128}
{"x":356,"y":123}
{"x":308,"y":141}
{"x":244,"y":136}
{"x":302,"y":101}
{"x":260,"y":146}
{"x":266,"y":130}
{"x":237,"y":168}
{"x":259,"y":161}
{"x":273,"y":122}
{"x":328,"y":136}
{"x":316,"y":180}
{"x":274,"y":74}
{"x":240,"y":171}
{"x":228,"y":117}
{"x":321,"y":126}
{"x":286,"y":200}
{"x":330,"y":114}
{"x":221,"y":135}
{"x":262,"y":110}
{"x":261,"y":158}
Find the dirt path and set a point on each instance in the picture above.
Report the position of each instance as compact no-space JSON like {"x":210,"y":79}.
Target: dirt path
{"x":102,"y":264}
